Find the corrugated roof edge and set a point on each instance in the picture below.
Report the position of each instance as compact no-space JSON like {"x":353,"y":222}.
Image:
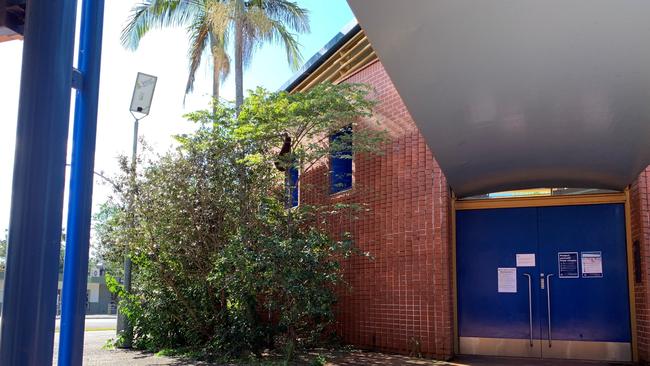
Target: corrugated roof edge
{"x":321,"y":56}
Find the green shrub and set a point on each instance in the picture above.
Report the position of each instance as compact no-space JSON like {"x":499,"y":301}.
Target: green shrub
{"x":319,"y":360}
{"x":221,"y":267}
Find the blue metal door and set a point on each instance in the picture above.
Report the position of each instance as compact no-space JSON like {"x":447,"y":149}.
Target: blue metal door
{"x":585,"y":311}
{"x":578,"y":305}
{"x":492,"y":322}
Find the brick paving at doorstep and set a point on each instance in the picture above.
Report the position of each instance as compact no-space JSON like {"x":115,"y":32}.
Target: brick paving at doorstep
{"x":95,"y":355}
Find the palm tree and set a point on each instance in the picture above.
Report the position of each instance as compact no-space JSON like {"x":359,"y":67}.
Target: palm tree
{"x":215,"y":23}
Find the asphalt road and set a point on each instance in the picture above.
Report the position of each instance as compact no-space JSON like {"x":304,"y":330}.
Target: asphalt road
{"x":94,"y":322}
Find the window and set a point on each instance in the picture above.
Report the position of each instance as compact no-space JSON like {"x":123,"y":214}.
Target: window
{"x":540,"y":192}
{"x":341,"y":160}
{"x":292,"y":186}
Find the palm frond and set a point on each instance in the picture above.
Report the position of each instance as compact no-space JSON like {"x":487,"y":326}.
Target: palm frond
{"x":220,"y":58}
{"x":213,"y":22}
{"x":220,"y":14}
{"x":199,"y":33}
{"x":291,"y":45}
{"x":255,"y":25}
{"x":259,"y":28}
{"x":286,"y":12}
{"x":157,"y":14}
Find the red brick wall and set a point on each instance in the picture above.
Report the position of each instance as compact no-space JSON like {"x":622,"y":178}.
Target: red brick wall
{"x":640,"y":217}
{"x":400,"y":300}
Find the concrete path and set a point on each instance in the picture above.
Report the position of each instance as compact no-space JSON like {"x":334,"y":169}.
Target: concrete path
{"x":511,"y":361}
{"x":95,"y":355}
{"x":381,"y":359}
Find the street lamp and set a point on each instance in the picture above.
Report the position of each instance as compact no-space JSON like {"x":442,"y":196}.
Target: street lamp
{"x":140,"y":106}
{"x":142,"y":95}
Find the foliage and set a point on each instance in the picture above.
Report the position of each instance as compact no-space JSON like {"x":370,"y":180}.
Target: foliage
{"x":3,"y":252}
{"x":108,"y":238}
{"x":211,"y":24}
{"x":221,"y":267}
{"x":319,"y":360}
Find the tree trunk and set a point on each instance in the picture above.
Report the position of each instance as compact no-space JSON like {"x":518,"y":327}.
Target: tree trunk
{"x":239,"y":58}
{"x":239,"y":100}
{"x":216,"y":80}
{"x":216,"y":68}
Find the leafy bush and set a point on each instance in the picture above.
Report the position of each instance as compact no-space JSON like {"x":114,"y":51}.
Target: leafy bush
{"x":221,"y":266}
{"x":319,"y":360}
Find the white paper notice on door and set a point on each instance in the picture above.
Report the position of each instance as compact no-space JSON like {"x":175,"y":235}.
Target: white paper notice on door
{"x":525,"y":260}
{"x":507,"y":280}
{"x":592,"y":264}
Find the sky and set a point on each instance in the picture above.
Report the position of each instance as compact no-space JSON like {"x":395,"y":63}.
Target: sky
{"x":161,"y":53}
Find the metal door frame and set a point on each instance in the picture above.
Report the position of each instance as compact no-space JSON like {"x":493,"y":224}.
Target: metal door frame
{"x":589,"y":199}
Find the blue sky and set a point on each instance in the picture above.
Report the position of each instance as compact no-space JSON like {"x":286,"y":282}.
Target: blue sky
{"x":161,"y":53}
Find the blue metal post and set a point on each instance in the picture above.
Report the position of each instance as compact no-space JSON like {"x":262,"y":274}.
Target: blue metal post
{"x":29,"y":308}
{"x":81,"y":186}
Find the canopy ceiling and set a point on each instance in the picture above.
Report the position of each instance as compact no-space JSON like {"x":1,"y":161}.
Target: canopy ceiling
{"x":516,"y":94}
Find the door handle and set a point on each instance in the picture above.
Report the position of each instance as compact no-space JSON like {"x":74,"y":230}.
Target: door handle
{"x":548,"y":305}
{"x":530,"y":308}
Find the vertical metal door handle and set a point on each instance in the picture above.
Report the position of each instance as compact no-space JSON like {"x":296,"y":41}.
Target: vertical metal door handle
{"x":548,"y":305}
{"x":530,"y":308}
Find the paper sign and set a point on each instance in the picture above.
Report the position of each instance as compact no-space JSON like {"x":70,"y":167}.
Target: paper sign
{"x":592,"y":264}
{"x":507,"y":280}
{"x":567,"y":265}
{"x":525,"y":260}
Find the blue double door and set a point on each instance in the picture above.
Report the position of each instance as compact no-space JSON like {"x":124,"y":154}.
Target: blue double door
{"x":546,"y":282}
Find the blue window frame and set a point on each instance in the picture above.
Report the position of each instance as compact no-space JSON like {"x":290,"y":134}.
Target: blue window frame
{"x":341,"y":160}
{"x":292,"y":186}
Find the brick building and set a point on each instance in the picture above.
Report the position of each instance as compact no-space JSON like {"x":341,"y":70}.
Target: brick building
{"x":429,"y":249}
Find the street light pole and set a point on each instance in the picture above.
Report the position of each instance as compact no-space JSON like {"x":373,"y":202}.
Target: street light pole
{"x":134,"y":154}
{"x":123,"y":322}
{"x":140,"y":104}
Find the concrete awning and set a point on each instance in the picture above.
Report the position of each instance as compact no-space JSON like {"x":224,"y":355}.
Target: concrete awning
{"x":516,"y":94}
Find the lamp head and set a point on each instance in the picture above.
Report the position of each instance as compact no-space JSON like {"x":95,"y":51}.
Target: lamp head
{"x":143,"y":93}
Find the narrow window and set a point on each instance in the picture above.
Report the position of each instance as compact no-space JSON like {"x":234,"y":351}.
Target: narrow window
{"x":341,"y":160}
{"x":293,"y":187}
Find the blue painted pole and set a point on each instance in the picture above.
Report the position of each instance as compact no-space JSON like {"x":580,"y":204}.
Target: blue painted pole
{"x":31,"y":278}
{"x":75,"y":270}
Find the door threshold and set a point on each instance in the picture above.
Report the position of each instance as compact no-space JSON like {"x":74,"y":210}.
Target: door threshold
{"x":473,"y":360}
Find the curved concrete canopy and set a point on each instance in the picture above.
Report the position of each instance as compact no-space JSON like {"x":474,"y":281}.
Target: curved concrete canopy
{"x":516,"y":94}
